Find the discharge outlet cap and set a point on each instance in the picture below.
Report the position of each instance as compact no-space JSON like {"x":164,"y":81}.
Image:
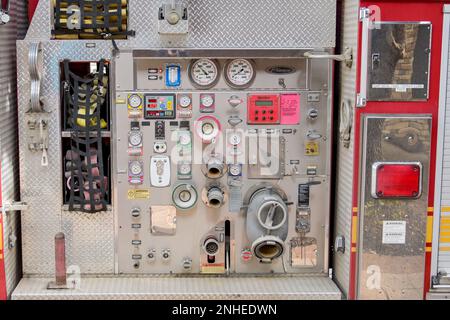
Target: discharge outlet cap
{"x":215,"y":197}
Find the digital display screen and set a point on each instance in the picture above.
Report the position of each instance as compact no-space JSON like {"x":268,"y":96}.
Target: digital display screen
{"x":262,"y":103}
{"x":160,"y":106}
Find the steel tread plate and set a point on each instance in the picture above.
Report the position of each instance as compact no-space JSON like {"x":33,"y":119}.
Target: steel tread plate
{"x":166,"y":288}
{"x":246,"y":24}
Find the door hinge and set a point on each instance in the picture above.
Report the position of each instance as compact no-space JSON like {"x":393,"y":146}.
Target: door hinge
{"x":361,"y":102}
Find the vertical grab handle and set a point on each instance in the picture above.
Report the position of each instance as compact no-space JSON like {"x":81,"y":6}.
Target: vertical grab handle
{"x":366,"y":24}
{"x":35,"y":77}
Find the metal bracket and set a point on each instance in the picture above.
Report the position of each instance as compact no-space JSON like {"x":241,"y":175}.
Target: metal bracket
{"x":360,"y":101}
{"x":364,"y":13}
{"x":346,"y":57}
{"x":440,"y":281}
{"x":339,"y":244}
{"x":11,"y":206}
{"x":4,"y":13}
{"x":173,"y":18}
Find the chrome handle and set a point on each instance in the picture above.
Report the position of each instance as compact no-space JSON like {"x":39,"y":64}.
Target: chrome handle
{"x":34,"y":66}
{"x":346,"y":57}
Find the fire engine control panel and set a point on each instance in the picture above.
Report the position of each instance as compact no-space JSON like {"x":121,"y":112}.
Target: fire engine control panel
{"x":221,"y":165}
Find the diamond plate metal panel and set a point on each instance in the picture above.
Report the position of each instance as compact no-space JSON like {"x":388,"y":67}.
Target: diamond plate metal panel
{"x":224,"y":24}
{"x":343,"y":215}
{"x":168,"y":288}
{"x":40,"y":185}
{"x":89,"y":241}
{"x":9,"y":33}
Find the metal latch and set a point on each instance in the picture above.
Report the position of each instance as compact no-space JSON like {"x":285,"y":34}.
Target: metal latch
{"x":346,"y":57}
{"x":38,"y":135}
{"x":4,"y":13}
{"x":364,"y":13}
{"x":10,"y":206}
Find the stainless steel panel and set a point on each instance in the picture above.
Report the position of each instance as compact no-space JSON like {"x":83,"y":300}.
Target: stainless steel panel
{"x":345,"y":156}
{"x":186,"y":243}
{"x":399,"y":61}
{"x":386,"y":270}
{"x":224,"y":24}
{"x":40,"y":186}
{"x":9,"y":33}
{"x":89,"y":241}
{"x":186,"y":288}
{"x":303,"y":25}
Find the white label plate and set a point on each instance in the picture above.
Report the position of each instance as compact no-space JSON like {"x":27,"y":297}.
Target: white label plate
{"x":394,"y":232}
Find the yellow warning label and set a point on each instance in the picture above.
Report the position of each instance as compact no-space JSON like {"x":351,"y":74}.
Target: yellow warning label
{"x":138,"y":194}
{"x":312,"y":149}
{"x":214,"y":269}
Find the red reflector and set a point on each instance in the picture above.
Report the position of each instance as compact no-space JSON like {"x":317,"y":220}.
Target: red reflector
{"x":397,"y":180}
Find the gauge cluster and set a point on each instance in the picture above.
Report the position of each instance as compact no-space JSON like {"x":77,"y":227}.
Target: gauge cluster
{"x":221,"y":74}
{"x":228,"y":163}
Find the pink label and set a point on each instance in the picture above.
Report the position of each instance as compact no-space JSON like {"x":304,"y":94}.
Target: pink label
{"x":290,"y":109}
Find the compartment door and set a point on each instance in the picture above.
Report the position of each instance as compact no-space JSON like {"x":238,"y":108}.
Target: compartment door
{"x":394,"y":203}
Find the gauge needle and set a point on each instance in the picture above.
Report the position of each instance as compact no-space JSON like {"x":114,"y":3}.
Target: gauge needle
{"x":205,"y":72}
{"x":240,"y":71}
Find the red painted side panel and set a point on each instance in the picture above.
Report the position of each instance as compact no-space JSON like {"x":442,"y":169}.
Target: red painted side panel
{"x":32,"y":4}
{"x":400,"y":10}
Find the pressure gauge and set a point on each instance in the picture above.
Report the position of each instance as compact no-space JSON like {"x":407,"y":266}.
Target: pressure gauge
{"x":135,"y":168}
{"x":235,"y":170}
{"x":185,"y":196}
{"x":185,"y":139}
{"x":185,"y":101}
{"x":234,"y":139}
{"x":240,"y":73}
{"x":204,"y":73}
{"x":207,"y":101}
{"x":207,"y":128}
{"x":184,"y":169}
{"x":135,"y":101}
{"x":135,"y":139}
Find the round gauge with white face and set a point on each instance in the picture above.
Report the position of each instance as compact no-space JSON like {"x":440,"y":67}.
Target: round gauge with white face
{"x":207,"y":100}
{"x":135,"y":139}
{"x":135,"y":101}
{"x":184,"y":168}
{"x":135,"y":168}
{"x":234,"y":139}
{"x":185,"y":139}
{"x":185,"y":101}
{"x":235,"y":170}
{"x":208,"y":129}
{"x":240,"y":73}
{"x":204,"y":73}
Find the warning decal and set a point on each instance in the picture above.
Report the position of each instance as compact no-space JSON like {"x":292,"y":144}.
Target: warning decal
{"x":394,"y":232}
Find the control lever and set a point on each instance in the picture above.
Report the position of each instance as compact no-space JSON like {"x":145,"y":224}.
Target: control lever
{"x":44,"y":143}
{"x":313,"y":135}
{"x":234,"y":121}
